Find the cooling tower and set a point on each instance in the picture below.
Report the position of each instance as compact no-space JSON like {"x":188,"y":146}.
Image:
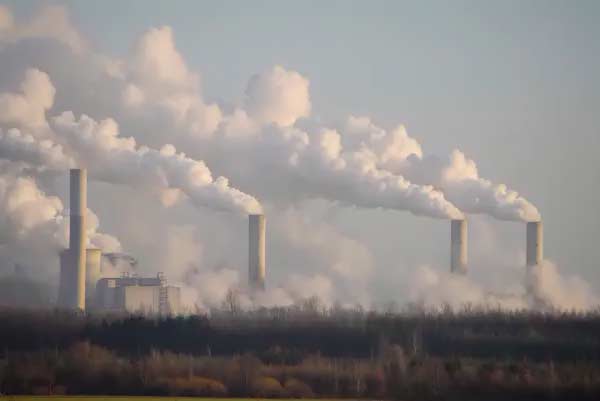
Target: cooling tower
{"x":256,"y":251}
{"x":77,"y":236}
{"x":458,"y":246}
{"x":93,"y":260}
{"x":535,"y":243}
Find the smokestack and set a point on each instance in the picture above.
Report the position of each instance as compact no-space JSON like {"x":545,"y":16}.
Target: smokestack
{"x":458,"y":246}
{"x":535,"y":243}
{"x":77,"y":237}
{"x":93,"y":261}
{"x":256,"y":251}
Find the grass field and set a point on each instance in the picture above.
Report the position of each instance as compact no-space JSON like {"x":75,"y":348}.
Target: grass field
{"x":125,"y":398}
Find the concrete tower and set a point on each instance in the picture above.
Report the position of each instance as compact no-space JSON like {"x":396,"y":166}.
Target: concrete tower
{"x":93,"y":260}
{"x":458,"y":246}
{"x":77,"y":236}
{"x":256,"y":251}
{"x":535,"y":243}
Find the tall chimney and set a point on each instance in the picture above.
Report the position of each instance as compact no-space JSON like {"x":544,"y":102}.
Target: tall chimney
{"x":535,"y":243}
{"x":256,"y":251}
{"x":77,"y":237}
{"x":93,"y":263}
{"x":458,"y":246}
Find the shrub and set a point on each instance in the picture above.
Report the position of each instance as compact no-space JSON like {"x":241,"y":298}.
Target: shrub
{"x":197,"y":386}
{"x":295,"y":388}
{"x":267,"y":387}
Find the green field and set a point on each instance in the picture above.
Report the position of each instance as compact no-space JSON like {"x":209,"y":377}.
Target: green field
{"x":114,"y":398}
{"x":125,"y":398}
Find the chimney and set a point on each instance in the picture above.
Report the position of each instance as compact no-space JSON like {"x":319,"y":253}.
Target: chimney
{"x":77,"y":236}
{"x":256,"y":251}
{"x":458,"y":246}
{"x":535,"y":243}
{"x":93,"y":263}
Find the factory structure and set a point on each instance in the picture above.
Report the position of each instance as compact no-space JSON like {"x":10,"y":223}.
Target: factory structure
{"x":82,"y":285}
{"x":146,"y":295}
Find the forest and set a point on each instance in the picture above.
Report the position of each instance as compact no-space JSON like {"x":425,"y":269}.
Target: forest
{"x":305,"y":351}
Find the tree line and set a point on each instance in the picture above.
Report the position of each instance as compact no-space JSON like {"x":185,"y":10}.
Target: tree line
{"x":304,"y":352}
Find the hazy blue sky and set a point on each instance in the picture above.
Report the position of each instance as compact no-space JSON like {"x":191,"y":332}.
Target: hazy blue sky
{"x":514,"y":84}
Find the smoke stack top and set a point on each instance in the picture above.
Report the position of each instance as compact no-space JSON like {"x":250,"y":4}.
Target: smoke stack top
{"x":78,"y":192}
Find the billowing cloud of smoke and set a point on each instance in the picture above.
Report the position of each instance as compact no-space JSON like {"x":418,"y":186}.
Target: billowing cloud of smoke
{"x":98,"y":146}
{"x":338,"y":271}
{"x":50,"y":22}
{"x":43,"y":154}
{"x":457,"y":176}
{"x":115,"y":159}
{"x":159,"y":82}
{"x":260,"y":136}
{"x":325,"y":256}
{"x":206,"y":286}
{"x":273,"y":150}
{"x":28,"y":107}
{"x":156,"y":78}
{"x":543,"y":288}
{"x":279,"y":97}
{"x":35,"y":228}
{"x":549,"y":290}
{"x":360,"y":165}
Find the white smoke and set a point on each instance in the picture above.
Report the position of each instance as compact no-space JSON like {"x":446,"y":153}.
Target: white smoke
{"x":42,"y":154}
{"x":457,"y":176}
{"x":27,"y":108}
{"x":157,"y":82}
{"x":50,"y":22}
{"x":542,"y":288}
{"x":550,"y":290}
{"x":98,"y":146}
{"x":35,"y":228}
{"x":278,"y":96}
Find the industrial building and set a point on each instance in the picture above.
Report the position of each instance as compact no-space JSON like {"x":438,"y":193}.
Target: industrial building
{"x":81,"y":285}
{"x":131,"y":294}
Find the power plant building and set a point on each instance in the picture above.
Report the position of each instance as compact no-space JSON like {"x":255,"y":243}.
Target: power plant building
{"x":80,"y":282}
{"x":143,"y":295}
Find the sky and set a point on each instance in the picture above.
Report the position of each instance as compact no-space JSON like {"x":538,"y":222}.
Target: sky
{"x":511,"y":84}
